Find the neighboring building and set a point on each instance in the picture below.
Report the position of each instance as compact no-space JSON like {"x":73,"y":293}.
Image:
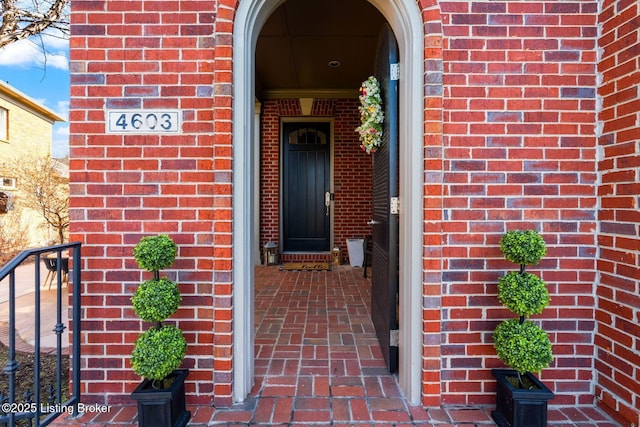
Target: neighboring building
{"x":512,"y":114}
{"x":26,"y":131}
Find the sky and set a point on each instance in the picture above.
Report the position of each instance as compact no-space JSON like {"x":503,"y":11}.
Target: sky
{"x":45,"y":79}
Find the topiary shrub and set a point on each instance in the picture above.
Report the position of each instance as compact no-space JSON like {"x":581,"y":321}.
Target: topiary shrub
{"x":161,"y":349}
{"x":524,"y":346}
{"x":158,"y":351}
{"x":523,"y":293}
{"x":524,"y":247}
{"x":155,"y":253}
{"x":155,"y":300}
{"x":520,"y":343}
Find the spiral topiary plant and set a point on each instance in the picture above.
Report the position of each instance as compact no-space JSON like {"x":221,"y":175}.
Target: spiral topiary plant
{"x":161,"y":349}
{"x":520,"y":343}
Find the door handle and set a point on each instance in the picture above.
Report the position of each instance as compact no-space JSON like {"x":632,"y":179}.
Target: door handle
{"x":373,"y":222}
{"x":327,"y":202}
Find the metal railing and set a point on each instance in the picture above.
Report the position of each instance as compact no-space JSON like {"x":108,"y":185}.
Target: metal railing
{"x":43,"y":404}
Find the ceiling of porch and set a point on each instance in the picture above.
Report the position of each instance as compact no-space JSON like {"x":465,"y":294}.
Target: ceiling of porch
{"x":302,"y":38}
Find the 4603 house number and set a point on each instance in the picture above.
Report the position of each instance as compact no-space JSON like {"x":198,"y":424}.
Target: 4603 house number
{"x":143,"y":121}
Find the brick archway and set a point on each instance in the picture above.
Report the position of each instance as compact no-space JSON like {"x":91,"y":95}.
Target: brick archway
{"x":405,"y":18}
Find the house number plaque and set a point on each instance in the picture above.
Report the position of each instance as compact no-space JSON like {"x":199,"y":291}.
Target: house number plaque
{"x":143,"y":121}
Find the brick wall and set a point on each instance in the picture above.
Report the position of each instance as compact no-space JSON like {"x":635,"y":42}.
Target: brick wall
{"x":124,"y":54}
{"x":352,"y":205}
{"x":270,"y":172}
{"x":510,"y":125}
{"x":618,"y":315}
{"x":352,"y":168}
{"x":519,"y":152}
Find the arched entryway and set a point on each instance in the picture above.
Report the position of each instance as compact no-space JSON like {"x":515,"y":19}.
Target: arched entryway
{"x":405,"y":20}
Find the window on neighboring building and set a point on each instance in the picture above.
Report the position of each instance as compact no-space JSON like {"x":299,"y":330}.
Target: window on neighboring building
{"x":7,"y":183}
{"x":4,"y":120}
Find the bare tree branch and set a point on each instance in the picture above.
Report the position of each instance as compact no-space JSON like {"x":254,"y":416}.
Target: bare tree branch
{"x":43,"y":190}
{"x":20,"y":23}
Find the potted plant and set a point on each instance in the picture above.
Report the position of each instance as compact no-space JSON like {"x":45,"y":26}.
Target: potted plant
{"x":159,"y":351}
{"x":521,"y":399}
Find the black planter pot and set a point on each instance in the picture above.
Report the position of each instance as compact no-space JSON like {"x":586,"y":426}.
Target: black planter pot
{"x":162,"y":407}
{"x":518,"y":407}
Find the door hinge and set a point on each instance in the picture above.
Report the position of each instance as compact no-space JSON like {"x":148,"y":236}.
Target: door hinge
{"x":394,"y":205}
{"x":394,"y":71}
{"x":394,"y":337}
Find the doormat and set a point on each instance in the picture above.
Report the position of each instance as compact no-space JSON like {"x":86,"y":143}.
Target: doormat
{"x":306,"y":266}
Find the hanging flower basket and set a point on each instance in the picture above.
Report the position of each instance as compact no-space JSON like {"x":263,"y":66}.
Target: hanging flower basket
{"x":371,"y":115}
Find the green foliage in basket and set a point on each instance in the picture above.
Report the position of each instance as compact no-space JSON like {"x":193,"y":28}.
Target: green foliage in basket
{"x":154,"y":253}
{"x":523,"y":293}
{"x":155,"y":300}
{"x":158,"y":351}
{"x":524,"y":347}
{"x":525,"y":247}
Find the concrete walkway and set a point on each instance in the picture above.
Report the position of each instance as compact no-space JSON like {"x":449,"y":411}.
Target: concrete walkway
{"x":26,"y":292}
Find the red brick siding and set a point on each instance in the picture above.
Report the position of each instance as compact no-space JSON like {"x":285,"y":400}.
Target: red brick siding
{"x":618,"y":315}
{"x":220,"y":355}
{"x":352,"y":168}
{"x":352,"y":181}
{"x":270,"y":173}
{"x":433,"y":205}
{"x":509,"y":124}
{"x":123,"y":54}
{"x":518,"y":152}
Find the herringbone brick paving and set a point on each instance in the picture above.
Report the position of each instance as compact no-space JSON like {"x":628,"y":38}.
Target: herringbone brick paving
{"x":318,"y":363}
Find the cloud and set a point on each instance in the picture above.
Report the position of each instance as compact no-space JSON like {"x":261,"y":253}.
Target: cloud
{"x":62,"y":108}
{"x":59,"y":61}
{"x":60,"y":142}
{"x":40,"y":52}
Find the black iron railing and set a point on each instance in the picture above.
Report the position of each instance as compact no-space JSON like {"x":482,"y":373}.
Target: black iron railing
{"x":49,"y":397}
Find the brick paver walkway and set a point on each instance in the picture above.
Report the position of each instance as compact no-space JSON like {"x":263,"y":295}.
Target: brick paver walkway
{"x":318,"y":363}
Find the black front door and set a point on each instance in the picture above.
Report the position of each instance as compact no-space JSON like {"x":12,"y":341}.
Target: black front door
{"x":384,"y":278}
{"x":306,"y":181}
